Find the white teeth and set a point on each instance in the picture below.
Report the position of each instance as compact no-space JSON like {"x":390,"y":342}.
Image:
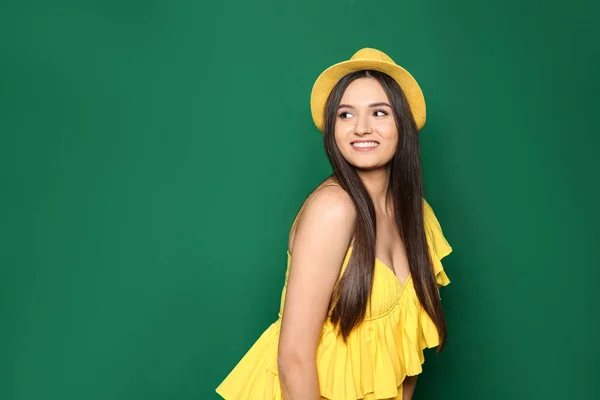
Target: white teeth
{"x":365,"y":144}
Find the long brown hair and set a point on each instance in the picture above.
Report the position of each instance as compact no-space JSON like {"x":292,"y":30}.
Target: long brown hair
{"x":350,"y":295}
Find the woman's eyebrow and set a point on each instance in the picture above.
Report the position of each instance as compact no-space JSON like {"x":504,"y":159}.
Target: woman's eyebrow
{"x":382,"y":103}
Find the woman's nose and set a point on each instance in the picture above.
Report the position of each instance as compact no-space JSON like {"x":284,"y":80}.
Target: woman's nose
{"x":363,"y":125}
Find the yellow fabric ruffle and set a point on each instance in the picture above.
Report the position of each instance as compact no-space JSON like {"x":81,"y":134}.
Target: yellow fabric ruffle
{"x":378,"y":355}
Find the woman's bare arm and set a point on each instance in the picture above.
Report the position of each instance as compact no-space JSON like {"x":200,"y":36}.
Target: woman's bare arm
{"x":323,"y":233}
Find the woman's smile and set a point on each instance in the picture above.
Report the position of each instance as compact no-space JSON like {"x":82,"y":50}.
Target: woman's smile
{"x":364,"y":145}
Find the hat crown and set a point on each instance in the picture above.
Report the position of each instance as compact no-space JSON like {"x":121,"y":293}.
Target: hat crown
{"x":371,"y":54}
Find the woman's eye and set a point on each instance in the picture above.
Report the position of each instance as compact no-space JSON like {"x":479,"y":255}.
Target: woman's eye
{"x":380,"y":113}
{"x":345,"y":114}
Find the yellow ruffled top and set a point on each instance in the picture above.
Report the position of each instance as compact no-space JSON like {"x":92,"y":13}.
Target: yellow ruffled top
{"x":384,"y":349}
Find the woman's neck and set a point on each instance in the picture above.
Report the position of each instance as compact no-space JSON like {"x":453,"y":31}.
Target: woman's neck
{"x":377,"y":182}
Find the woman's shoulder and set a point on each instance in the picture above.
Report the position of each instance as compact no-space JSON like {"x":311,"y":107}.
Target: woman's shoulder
{"x":330,"y":197}
{"x":329,"y":201}
{"x":328,"y":204}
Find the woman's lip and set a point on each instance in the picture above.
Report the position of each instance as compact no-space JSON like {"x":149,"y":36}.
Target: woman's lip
{"x":362,"y":149}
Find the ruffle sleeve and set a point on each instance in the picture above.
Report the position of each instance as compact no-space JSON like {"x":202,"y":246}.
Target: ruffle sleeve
{"x":438,"y":245}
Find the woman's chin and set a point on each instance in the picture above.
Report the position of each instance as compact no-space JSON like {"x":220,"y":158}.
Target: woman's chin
{"x":371,"y":166}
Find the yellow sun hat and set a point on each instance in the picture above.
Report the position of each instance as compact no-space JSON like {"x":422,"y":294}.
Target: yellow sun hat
{"x":373,"y":59}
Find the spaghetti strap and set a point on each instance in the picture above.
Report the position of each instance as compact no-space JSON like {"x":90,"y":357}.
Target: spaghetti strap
{"x":295,"y":219}
{"x":292,"y":228}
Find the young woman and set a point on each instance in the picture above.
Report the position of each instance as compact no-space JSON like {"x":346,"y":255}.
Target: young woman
{"x":360,"y":300}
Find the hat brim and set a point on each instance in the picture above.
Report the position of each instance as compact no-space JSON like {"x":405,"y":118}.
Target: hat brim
{"x":328,"y":78}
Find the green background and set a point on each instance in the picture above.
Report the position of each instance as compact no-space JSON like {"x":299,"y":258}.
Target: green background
{"x":154,"y":154}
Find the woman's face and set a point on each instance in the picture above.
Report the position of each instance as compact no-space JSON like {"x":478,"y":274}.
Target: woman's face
{"x":365,"y":129}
